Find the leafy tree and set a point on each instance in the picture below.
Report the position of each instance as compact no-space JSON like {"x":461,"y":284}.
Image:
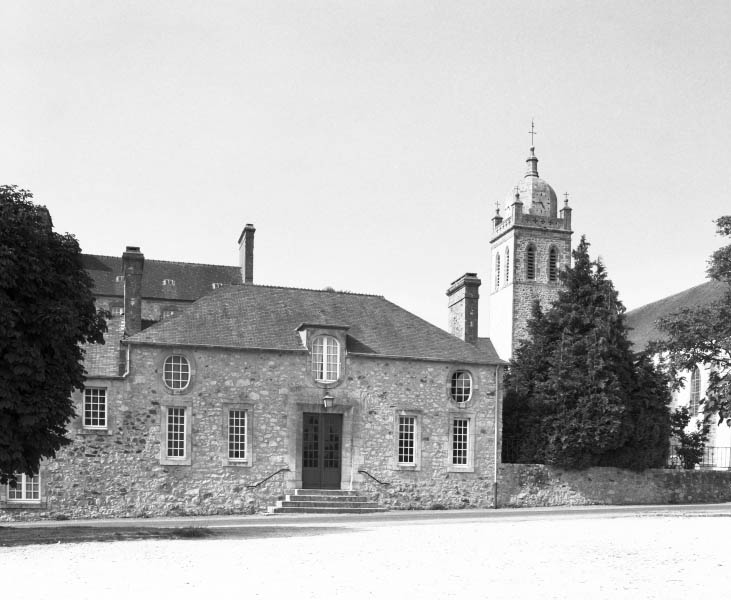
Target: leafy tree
{"x":691,"y":444}
{"x":46,"y":313}
{"x":576,"y":396}
{"x":702,"y":335}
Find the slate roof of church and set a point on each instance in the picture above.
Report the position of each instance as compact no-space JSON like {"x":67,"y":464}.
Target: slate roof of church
{"x":192,"y":280}
{"x":643,"y":320}
{"x":267,"y":317}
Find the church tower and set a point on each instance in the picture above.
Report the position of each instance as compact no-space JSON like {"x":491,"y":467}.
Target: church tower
{"x":530,"y":243}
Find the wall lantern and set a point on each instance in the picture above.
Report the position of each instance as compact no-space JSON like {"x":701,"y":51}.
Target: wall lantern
{"x":328,"y":401}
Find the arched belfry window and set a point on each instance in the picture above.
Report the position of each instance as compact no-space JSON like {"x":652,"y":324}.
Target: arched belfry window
{"x":553,"y":264}
{"x":695,"y":391}
{"x":530,"y":262}
{"x":507,"y":266}
{"x":497,"y":271}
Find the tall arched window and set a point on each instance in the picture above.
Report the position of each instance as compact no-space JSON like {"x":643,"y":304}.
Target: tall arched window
{"x":695,"y":391}
{"x":553,"y":264}
{"x":497,"y":271}
{"x":507,"y":266}
{"x":530,"y":262}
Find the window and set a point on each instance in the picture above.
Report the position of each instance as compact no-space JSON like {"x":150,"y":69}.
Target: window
{"x":117,"y":311}
{"x":460,"y":441}
{"x":95,"y":408}
{"x":176,"y":372}
{"x":507,"y":266}
{"x":497,"y":271}
{"x":175,"y":440}
{"x":530,"y":262}
{"x":407,"y":439}
{"x":168,"y":282}
{"x":237,"y":434}
{"x":460,"y":387}
{"x":215,"y":286}
{"x":695,"y":391}
{"x":27,"y":490}
{"x":119,"y":279}
{"x":326,"y":359}
{"x":553,"y":264}
{"x":169,"y":313}
{"x":175,"y":432}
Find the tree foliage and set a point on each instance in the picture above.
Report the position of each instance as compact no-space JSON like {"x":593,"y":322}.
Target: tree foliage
{"x":576,"y":396}
{"x":47,"y":312}
{"x":690,"y":443}
{"x":702,"y":335}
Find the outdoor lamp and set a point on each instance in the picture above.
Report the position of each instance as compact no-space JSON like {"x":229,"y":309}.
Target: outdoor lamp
{"x":328,"y":400}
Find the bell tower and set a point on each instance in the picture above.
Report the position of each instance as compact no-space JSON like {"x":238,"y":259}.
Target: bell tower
{"x":530,"y":244}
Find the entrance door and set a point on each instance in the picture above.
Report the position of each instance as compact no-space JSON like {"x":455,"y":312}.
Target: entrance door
{"x":321,"y":435}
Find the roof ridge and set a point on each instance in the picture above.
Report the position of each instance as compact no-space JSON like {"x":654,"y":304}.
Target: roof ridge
{"x":303,"y":289}
{"x":170,"y":262}
{"x":671,"y":296}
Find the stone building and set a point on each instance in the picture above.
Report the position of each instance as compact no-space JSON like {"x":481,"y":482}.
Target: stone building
{"x":215,"y":395}
{"x":530,"y":243}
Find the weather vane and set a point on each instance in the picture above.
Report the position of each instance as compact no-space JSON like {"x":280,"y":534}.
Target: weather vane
{"x":532,"y":132}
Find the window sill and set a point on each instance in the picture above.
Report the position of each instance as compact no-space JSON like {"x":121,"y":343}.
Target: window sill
{"x":89,"y":431}
{"x":23,"y":505}
{"x":237,"y":464}
{"x":172,"y":462}
{"x":407,"y":467}
{"x":460,"y":469}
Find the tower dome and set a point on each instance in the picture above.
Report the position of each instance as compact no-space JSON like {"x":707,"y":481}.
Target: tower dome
{"x":537,"y":196}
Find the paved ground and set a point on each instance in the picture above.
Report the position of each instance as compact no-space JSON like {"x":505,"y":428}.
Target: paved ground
{"x":636,"y":552}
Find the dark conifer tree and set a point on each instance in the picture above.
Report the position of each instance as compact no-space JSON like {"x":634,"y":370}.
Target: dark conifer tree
{"x":575,"y":394}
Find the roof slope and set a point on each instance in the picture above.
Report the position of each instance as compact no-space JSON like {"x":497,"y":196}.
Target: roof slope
{"x":254,"y":316}
{"x":642,"y":320}
{"x":192,"y":280}
{"x":102,"y":360}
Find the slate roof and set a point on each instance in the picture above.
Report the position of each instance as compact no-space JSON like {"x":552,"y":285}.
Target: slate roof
{"x":255,"y":316}
{"x":192,"y":280}
{"x":642,"y":320}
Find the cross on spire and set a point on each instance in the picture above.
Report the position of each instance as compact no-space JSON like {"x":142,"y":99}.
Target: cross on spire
{"x":566,"y":197}
{"x":532,"y":132}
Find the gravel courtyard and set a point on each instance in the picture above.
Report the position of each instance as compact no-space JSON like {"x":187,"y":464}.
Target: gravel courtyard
{"x":568,"y":557}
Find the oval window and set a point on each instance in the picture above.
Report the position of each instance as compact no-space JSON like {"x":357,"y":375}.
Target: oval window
{"x":176,"y":372}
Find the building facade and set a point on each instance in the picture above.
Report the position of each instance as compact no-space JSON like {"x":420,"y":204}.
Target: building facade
{"x":213,"y":395}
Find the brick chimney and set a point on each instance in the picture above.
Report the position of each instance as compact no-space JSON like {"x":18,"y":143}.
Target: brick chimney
{"x":246,"y":253}
{"x":133,"y":263}
{"x":462,"y":298}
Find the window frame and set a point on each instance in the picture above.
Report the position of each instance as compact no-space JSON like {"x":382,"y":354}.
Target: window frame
{"x":497,"y":270}
{"x":84,"y":410}
{"x":507,"y":265}
{"x":694,"y":399}
{"x":325,"y":355}
{"x":553,"y":264}
{"x":530,"y":262}
{"x":470,"y":438}
{"x":22,"y":484}
{"x":177,"y":390}
{"x":226,"y":459}
{"x":416,"y":415}
{"x":186,"y":459}
{"x":451,"y":387}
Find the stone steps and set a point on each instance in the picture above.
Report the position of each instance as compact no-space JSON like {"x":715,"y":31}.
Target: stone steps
{"x":324,"y":502}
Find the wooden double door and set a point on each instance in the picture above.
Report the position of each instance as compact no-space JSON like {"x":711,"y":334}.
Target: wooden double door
{"x":322,"y":436}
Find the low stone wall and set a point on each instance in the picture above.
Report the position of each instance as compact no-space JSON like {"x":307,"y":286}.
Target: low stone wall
{"x":540,"y":485}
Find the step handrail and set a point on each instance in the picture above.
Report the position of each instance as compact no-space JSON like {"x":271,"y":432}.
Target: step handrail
{"x":256,"y":485}
{"x":378,"y":481}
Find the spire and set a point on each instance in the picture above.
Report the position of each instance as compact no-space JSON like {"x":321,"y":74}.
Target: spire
{"x":532,"y":164}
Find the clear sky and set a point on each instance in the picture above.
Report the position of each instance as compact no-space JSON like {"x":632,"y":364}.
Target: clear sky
{"x":368,"y":141}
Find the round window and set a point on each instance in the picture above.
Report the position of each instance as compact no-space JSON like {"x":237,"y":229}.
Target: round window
{"x":460,"y":387}
{"x":176,"y":372}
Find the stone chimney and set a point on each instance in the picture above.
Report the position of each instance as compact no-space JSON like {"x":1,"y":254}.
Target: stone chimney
{"x":246,"y":253}
{"x":462,"y":298}
{"x":133,"y":263}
